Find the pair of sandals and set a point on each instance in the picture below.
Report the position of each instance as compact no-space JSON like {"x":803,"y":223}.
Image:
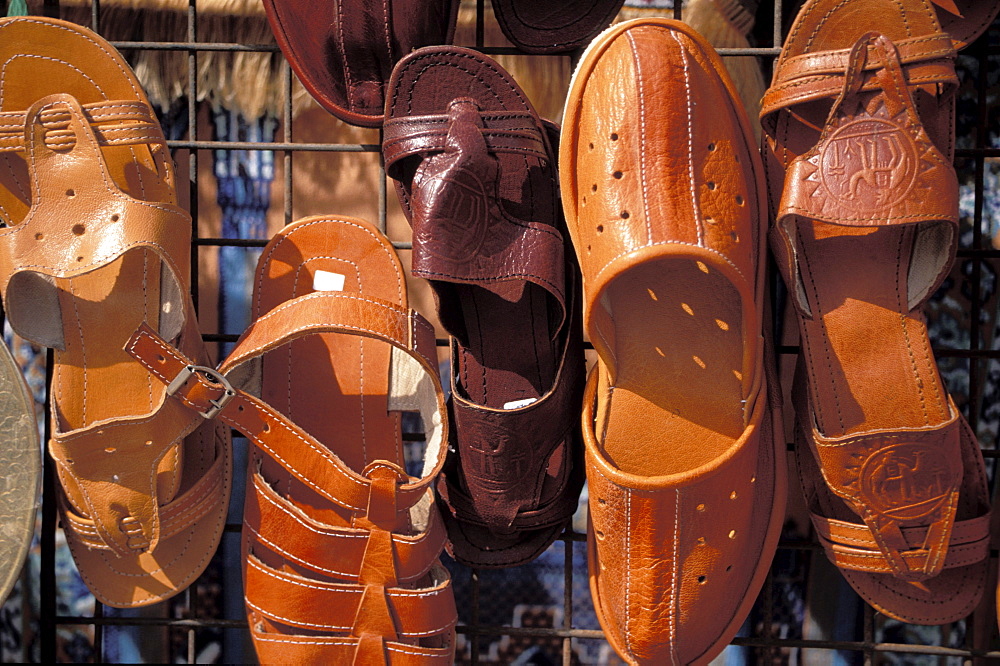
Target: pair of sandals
{"x":666,"y":198}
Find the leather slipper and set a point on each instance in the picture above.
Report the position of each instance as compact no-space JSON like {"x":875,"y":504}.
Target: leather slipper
{"x":555,"y":26}
{"x":94,"y":246}
{"x":340,"y":540}
{"x":664,"y":196}
{"x":343,"y":51}
{"x":865,"y":231}
{"x":21,"y":460}
{"x":475,"y":171}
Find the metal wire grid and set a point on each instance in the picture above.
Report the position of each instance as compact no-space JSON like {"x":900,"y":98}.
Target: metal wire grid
{"x":980,"y":627}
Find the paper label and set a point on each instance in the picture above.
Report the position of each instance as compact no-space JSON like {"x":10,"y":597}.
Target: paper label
{"x":327,"y":281}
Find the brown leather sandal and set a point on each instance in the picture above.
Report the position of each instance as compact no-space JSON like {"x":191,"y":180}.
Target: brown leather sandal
{"x":94,"y":246}
{"x":554,"y":26}
{"x":865,"y":231}
{"x":341,"y":538}
{"x":343,"y":51}
{"x":664,"y":196}
{"x":475,"y":171}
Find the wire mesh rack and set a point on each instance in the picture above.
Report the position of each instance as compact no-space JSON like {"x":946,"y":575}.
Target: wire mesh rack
{"x":790,"y":622}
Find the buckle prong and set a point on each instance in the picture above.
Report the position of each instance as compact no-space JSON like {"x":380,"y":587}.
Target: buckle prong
{"x":214,"y":377}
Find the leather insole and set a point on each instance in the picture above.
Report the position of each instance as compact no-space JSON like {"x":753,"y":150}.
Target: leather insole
{"x":869,"y":357}
{"x":676,"y":400}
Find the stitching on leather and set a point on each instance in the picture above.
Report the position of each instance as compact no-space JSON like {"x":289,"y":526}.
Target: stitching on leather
{"x":690,"y":138}
{"x":628,"y":578}
{"x":675,"y":569}
{"x":311,"y":565}
{"x":347,"y":642}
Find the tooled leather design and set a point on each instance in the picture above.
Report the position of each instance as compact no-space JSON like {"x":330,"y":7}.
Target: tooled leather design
{"x":874,"y":163}
{"x":899,"y":479}
{"x":461,"y":231}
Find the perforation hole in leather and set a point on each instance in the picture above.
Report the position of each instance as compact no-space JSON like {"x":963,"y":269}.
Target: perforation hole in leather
{"x":735,"y":236}
{"x":652,"y":294}
{"x":110,"y":449}
{"x":687,"y":309}
{"x":722,"y":325}
{"x":700,"y":507}
{"x":149,"y":442}
{"x":710,"y":220}
{"x":739,"y":200}
{"x":732,"y":534}
{"x":625,"y":215}
{"x":591,"y":146}
{"x":267,"y":427}
{"x":600,"y":228}
{"x":79,"y":229}
{"x":593,"y":188}
{"x":702,"y":579}
{"x":711,"y":146}
{"x":160,"y":358}
{"x":601,"y":500}
{"x":729,"y":568}
{"x":79,"y":258}
{"x":701,"y":541}
{"x":39,"y":236}
{"x":614,"y":136}
{"x":70,"y":193}
{"x":115,"y":217}
{"x":710,"y":184}
{"x":732,"y":495}
{"x":617,"y":175}
{"x":114,"y":477}
{"x":701,"y":364}
{"x":600,"y":534}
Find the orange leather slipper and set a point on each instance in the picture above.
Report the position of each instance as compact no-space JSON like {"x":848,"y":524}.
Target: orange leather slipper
{"x":865,"y":231}
{"x":94,"y":246}
{"x":341,"y":533}
{"x":663,"y":192}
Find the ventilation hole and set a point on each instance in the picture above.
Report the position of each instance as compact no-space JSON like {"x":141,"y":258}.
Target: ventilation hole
{"x":115,"y":218}
{"x":39,"y":236}
{"x":710,"y":220}
{"x":710,"y":184}
{"x":735,"y":236}
{"x":593,"y":188}
{"x":701,"y":363}
{"x":700,"y":507}
{"x":753,"y":479}
{"x":602,"y":501}
{"x":591,"y":146}
{"x":701,"y":541}
{"x":660,"y":352}
{"x":600,"y":228}
{"x":652,"y":294}
{"x":732,"y":495}
{"x":738,"y":375}
{"x":625,"y":214}
{"x":687,"y":308}
{"x":739,"y":199}
{"x":701,"y":266}
{"x":149,"y":442}
{"x":711,"y":146}
{"x":732,"y":534}
{"x":110,"y":449}
{"x":721,"y":324}
{"x":79,"y":258}
{"x":729,"y":568}
{"x":614,"y":136}
{"x":267,"y":427}
{"x":70,"y":193}
{"x":584,"y":199}
{"x":70,"y":461}
{"x":160,"y":358}
{"x":702,"y":579}
{"x":588,"y":249}
{"x":241,"y":408}
{"x":600,"y":534}
{"x":79,"y":229}
{"x":617,"y":175}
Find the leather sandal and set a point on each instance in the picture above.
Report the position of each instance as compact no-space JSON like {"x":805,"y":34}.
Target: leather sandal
{"x":343,"y":51}
{"x":94,"y":246}
{"x":21,"y":460}
{"x":475,"y":171}
{"x":664,"y":196}
{"x":555,"y":26}
{"x":965,"y":20}
{"x":865,"y":231}
{"x":340,"y":541}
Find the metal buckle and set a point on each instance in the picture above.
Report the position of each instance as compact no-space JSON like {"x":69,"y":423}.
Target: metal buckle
{"x":213,"y":375}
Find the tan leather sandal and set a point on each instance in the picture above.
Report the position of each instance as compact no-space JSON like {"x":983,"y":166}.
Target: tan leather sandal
{"x":865,"y":231}
{"x":341,"y":541}
{"x":663,"y":191}
{"x":94,"y":246}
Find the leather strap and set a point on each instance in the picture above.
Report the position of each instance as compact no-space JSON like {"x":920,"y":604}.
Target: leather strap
{"x":853,"y":546}
{"x":335,"y":550}
{"x":274,"y":648}
{"x":315,"y":465}
{"x":114,"y":123}
{"x":178,"y":515}
{"x":928,"y":60}
{"x":514,"y":132}
{"x":319,"y":606}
